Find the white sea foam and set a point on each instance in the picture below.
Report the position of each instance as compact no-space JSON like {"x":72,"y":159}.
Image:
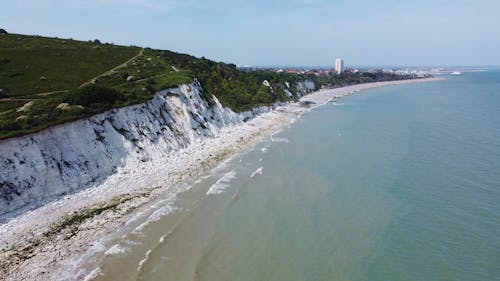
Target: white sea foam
{"x":163,"y":211}
{"x":168,"y":208}
{"x":257,"y":172}
{"x":162,"y":238}
{"x":202,"y":179}
{"x":131,"y":242}
{"x":264,"y":149}
{"x":279,"y":139}
{"x":116,"y":249}
{"x":166,"y":202}
{"x":220,"y":185}
{"x":93,"y":274}
{"x":144,"y":260}
{"x":73,"y":265}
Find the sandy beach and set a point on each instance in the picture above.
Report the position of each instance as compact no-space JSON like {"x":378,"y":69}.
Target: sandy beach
{"x":52,"y":242}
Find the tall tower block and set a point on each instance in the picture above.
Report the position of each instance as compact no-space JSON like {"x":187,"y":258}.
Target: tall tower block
{"x":339,"y":66}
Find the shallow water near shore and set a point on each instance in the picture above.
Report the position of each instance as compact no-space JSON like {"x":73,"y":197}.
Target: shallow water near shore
{"x":394,"y":183}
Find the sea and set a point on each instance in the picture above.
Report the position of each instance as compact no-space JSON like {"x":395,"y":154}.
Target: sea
{"x":393,"y":183}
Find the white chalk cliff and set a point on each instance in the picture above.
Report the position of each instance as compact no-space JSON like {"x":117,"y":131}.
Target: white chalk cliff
{"x":44,"y":166}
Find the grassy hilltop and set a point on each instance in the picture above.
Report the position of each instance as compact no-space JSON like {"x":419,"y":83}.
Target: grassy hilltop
{"x":48,"y":81}
{"x":26,"y":60}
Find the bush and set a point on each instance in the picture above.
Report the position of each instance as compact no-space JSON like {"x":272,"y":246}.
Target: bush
{"x":9,"y":125}
{"x":94,"y":94}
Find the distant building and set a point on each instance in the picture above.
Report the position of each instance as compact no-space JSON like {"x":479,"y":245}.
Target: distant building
{"x":339,"y":66}
{"x":3,"y":31}
{"x":293,"y":71}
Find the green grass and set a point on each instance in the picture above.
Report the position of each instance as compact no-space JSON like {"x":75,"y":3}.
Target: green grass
{"x":49,"y":72}
{"x":64,"y":63}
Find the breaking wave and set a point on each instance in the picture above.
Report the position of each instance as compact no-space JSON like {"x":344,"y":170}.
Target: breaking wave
{"x":93,"y":274}
{"x":279,"y":139}
{"x":115,"y":250}
{"x":146,"y":257}
{"x":257,"y":172}
{"x":168,"y":208}
{"x":220,"y":185}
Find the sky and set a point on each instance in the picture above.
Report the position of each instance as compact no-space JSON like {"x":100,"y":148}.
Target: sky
{"x":278,"y":32}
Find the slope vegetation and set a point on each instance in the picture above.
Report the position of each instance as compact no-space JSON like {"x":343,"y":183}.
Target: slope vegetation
{"x":49,"y":81}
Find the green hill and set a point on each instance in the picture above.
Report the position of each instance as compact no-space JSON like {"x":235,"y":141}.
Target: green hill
{"x":48,"y":81}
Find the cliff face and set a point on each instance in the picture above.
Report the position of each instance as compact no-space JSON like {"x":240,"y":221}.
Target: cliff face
{"x":37,"y":168}
{"x":304,"y":87}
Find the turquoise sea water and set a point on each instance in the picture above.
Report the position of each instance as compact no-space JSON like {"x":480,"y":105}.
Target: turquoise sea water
{"x":395,"y":183}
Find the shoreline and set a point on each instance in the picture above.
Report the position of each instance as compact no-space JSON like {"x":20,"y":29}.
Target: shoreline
{"x":50,"y":242}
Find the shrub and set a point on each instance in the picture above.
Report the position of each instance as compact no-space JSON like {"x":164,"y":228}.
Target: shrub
{"x":9,"y":125}
{"x":94,"y":94}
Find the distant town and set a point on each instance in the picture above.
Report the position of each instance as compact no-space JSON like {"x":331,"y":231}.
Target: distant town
{"x":339,"y":68}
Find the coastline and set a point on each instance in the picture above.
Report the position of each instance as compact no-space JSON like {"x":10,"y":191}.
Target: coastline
{"x":36,"y":245}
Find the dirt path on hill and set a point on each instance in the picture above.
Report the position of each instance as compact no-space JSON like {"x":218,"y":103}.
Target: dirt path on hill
{"x":141,"y":52}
